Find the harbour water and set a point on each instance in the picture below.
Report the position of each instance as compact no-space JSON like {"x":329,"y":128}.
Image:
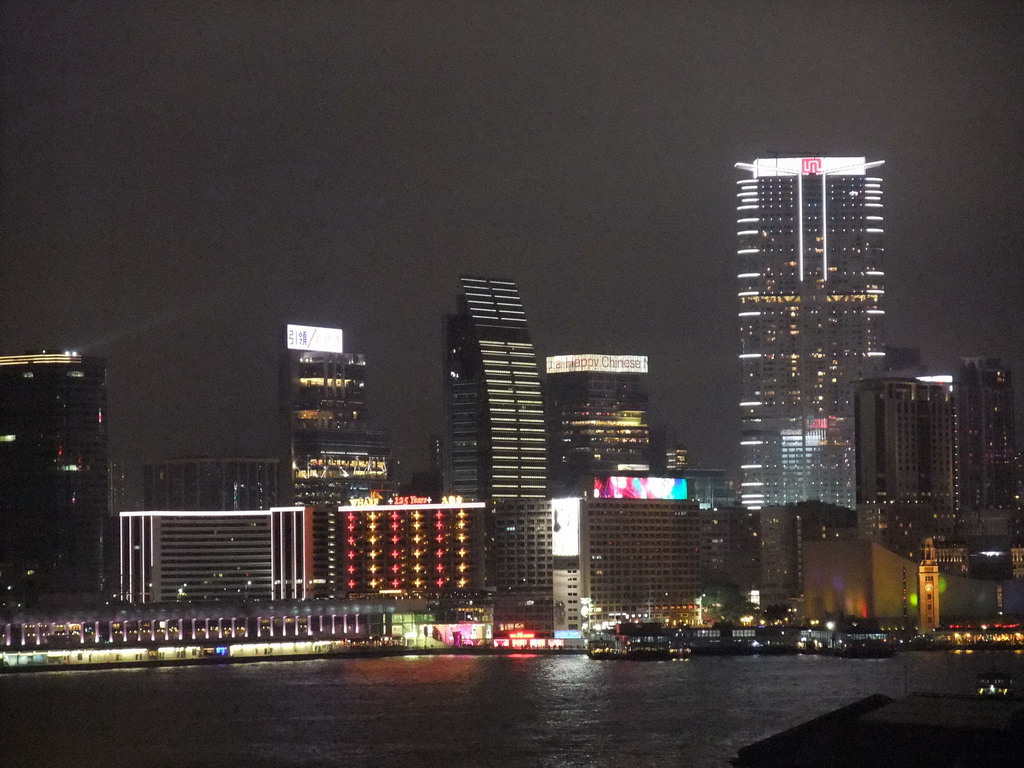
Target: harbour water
{"x":434,"y":711}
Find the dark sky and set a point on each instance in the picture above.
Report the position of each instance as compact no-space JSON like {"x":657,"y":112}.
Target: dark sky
{"x":180,"y":178}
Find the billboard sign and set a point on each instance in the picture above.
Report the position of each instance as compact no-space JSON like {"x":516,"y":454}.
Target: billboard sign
{"x":597,"y":363}
{"x":311,"y":339}
{"x":623,"y":487}
{"x":565,"y":527}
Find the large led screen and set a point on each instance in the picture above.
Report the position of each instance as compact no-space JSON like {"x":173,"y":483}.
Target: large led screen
{"x":565,"y":527}
{"x":620,"y":487}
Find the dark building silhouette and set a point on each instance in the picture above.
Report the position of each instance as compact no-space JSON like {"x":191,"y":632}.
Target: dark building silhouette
{"x":330,"y":453}
{"x":211,"y":483}
{"x":494,"y":444}
{"x":986,"y":439}
{"x":597,"y":409}
{"x":53,"y":477}
{"x":905,"y":462}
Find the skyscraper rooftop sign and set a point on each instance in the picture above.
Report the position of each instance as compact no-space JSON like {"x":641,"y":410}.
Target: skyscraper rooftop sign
{"x":311,"y":339}
{"x":809,"y":166}
{"x":598,"y":363}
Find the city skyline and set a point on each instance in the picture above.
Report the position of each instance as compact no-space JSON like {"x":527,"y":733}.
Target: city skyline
{"x":173,"y":214}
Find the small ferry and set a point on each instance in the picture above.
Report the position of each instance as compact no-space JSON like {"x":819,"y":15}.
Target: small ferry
{"x":648,"y":641}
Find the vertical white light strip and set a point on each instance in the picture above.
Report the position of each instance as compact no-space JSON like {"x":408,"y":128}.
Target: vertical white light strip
{"x":284,"y":563}
{"x":824,"y":228}
{"x":120,"y":543}
{"x":147,"y":571}
{"x":295,"y":562}
{"x":142,"y":558}
{"x":273,"y":553}
{"x":131,"y":559}
{"x":800,"y":222}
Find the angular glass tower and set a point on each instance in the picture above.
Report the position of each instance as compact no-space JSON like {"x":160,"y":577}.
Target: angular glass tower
{"x":810,"y":294}
{"x":494,"y":445}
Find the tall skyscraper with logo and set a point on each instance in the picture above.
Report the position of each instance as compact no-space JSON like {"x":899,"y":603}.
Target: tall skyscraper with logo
{"x":494,"y":444}
{"x":330,"y":453}
{"x":811,"y":286}
{"x":53,"y":476}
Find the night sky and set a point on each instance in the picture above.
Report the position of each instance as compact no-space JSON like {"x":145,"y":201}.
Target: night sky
{"x":178,"y":179}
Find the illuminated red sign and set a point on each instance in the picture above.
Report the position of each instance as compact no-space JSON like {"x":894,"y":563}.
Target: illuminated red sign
{"x":522,"y":635}
{"x":410,"y":500}
{"x":810,"y":165}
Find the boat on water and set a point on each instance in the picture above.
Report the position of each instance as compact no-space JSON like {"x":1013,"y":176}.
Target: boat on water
{"x":637,"y":642}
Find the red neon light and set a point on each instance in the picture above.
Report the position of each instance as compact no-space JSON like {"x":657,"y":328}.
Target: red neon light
{"x":810,"y":165}
{"x":522,"y":635}
{"x":410,"y":500}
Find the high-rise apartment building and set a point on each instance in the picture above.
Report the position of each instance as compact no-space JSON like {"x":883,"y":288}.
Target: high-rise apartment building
{"x":597,"y":418}
{"x":986,"y":440}
{"x":53,"y":476}
{"x":494,"y":443}
{"x":330,"y":453}
{"x":905,"y":467}
{"x":810,"y":289}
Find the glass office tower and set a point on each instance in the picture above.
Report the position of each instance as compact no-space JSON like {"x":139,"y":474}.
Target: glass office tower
{"x":494,"y":446}
{"x":811,"y":285}
{"x":597,"y":418}
{"x":330,"y":453}
{"x":53,"y":477}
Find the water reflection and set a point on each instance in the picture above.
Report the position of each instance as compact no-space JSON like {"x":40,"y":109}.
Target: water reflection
{"x":456,"y":710}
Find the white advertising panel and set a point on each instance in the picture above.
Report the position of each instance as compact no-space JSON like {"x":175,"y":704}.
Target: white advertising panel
{"x":599,"y":363}
{"x":790,"y":166}
{"x":312,"y":339}
{"x":565,"y":527}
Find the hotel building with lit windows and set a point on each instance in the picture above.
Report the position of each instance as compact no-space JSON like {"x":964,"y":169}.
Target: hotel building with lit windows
{"x":811,"y":287}
{"x":329,"y":451}
{"x":53,"y":477}
{"x":630,"y":551}
{"x":419,"y":549}
{"x":494,"y":443}
{"x":412,"y":548}
{"x":188,"y":555}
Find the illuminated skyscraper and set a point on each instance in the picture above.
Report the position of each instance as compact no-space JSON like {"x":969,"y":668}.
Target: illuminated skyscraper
{"x":810,"y":290}
{"x":53,"y":476}
{"x":329,"y":452}
{"x":597,"y":418}
{"x":494,"y":443}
